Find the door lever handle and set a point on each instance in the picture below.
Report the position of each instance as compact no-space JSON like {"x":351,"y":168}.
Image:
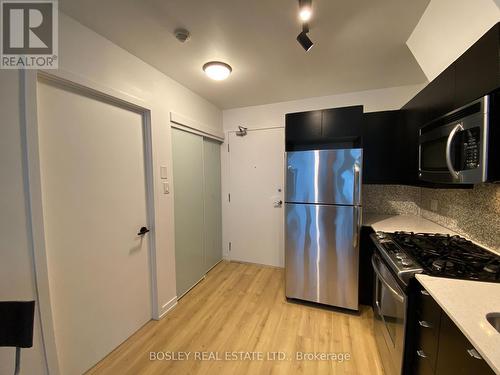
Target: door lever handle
{"x":143,"y":231}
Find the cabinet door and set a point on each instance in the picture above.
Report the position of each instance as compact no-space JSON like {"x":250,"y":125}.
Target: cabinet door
{"x":440,"y":96}
{"x":301,"y":129}
{"x":427,"y":324}
{"x":380,"y":147}
{"x":341,"y":123}
{"x":477,"y":70}
{"x":453,"y":353}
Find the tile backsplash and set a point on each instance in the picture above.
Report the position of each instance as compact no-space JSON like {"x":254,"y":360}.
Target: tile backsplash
{"x":391,"y":199}
{"x":473,"y":213}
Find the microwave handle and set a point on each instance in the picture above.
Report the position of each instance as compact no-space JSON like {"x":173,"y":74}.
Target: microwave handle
{"x":449,"y":164}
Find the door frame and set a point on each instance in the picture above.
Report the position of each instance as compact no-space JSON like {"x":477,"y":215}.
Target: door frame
{"x":227,"y":219}
{"x":33,"y":186}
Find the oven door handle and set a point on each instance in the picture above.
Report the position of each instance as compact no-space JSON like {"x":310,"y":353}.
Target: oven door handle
{"x":398,"y":296}
{"x":449,"y":164}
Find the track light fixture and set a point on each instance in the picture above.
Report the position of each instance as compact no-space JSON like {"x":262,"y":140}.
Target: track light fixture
{"x":304,"y":41}
{"x":305,"y":12}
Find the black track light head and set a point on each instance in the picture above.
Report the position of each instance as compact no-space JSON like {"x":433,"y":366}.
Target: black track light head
{"x":304,"y":41}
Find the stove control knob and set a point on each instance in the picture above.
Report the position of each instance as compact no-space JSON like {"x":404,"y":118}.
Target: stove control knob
{"x":406,"y":263}
{"x":401,"y":256}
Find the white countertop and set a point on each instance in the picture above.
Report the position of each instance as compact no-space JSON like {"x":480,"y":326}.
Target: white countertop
{"x":467,"y":303}
{"x":406,"y":223}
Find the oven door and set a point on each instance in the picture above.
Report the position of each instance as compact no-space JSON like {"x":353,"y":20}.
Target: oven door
{"x":390,"y":304}
{"x":456,"y":152}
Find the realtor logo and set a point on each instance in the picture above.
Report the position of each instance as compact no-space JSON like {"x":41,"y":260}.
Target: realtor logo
{"x":29,"y":34}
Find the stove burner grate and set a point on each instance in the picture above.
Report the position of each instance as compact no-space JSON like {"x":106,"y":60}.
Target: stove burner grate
{"x":450,"y":256}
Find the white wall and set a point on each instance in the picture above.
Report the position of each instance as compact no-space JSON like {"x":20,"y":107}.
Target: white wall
{"x":87,"y":54}
{"x":447,"y":29}
{"x":273,"y":115}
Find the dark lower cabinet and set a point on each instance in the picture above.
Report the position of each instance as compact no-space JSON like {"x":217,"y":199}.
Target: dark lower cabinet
{"x":428,"y":319}
{"x":456,"y":355}
{"x":366,"y":248}
{"x":439,"y":347}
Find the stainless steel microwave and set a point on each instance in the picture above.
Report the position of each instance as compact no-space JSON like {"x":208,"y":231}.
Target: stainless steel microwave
{"x":454,"y":148}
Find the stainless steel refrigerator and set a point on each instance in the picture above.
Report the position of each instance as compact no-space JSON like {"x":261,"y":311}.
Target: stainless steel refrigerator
{"x":322,"y":226}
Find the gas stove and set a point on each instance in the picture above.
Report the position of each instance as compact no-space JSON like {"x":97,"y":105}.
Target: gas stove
{"x":409,"y":253}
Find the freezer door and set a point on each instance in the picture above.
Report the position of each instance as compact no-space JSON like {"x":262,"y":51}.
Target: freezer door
{"x":322,"y":253}
{"x":324,"y":176}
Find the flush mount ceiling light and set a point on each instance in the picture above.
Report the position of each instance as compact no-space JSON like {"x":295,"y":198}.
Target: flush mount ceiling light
{"x":216,"y":70}
{"x":305,"y":10}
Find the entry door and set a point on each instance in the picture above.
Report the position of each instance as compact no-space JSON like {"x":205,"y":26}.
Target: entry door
{"x":256,"y":189}
{"x":94,"y":203}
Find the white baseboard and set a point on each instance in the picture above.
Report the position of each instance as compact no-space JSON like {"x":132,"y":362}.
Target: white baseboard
{"x":256,"y":264}
{"x":167,"y":307}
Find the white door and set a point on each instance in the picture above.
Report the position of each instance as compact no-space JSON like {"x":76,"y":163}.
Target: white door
{"x":256,"y":163}
{"x":94,"y":203}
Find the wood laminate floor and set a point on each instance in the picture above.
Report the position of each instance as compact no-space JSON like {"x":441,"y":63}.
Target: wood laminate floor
{"x":242,"y":308}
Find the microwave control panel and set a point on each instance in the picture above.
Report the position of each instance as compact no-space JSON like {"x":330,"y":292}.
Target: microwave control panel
{"x":471,"y":148}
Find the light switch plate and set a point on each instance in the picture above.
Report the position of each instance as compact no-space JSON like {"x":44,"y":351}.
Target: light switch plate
{"x":163,"y":172}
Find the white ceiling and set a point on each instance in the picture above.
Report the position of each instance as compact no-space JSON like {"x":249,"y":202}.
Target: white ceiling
{"x":359,"y":44}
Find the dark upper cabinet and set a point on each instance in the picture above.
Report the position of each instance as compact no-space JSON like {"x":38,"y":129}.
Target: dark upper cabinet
{"x":330,"y":128}
{"x":478,"y":69}
{"x":440,"y":95}
{"x":303,"y":127}
{"x":381,"y":164}
{"x":341,"y":123}
{"x":436,"y":99}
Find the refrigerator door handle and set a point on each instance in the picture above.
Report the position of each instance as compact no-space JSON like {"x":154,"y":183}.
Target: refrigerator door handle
{"x":355,"y":199}
{"x":356,"y":226}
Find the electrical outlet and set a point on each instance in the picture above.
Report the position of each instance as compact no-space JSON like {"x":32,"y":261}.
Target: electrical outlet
{"x":434,"y":205}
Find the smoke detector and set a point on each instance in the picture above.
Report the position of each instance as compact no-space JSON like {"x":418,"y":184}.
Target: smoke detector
{"x":182,"y":35}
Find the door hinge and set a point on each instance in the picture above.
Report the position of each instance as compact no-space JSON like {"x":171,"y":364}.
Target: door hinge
{"x":229,"y":246}
{"x":228,"y":147}
{"x":229,"y":197}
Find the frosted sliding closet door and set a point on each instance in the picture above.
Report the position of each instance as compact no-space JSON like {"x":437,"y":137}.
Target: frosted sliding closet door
{"x":212,"y":201}
{"x":187,"y":151}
